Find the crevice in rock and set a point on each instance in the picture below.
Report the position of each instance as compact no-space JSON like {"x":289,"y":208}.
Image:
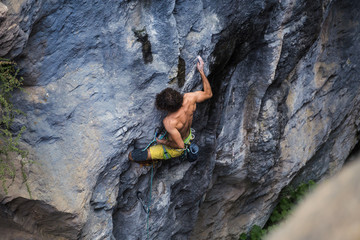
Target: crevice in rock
{"x":304,"y":36}
{"x":278,"y":90}
{"x":127,"y":201}
{"x":314,"y":168}
{"x":101,"y":194}
{"x":181,"y":72}
{"x":143,"y":38}
{"x":36,"y":218}
{"x":231,"y":49}
{"x":233,"y":46}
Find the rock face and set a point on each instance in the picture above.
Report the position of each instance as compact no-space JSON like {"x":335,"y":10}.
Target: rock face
{"x":285,"y":109}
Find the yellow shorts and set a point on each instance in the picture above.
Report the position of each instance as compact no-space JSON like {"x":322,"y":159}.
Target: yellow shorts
{"x":157,"y":151}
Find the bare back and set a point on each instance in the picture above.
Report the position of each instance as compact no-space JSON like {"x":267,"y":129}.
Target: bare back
{"x":182,"y":118}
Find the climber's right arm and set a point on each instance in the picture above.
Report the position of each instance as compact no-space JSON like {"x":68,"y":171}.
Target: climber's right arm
{"x":207,"y":93}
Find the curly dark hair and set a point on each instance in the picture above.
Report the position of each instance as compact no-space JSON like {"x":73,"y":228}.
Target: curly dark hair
{"x":169,"y":100}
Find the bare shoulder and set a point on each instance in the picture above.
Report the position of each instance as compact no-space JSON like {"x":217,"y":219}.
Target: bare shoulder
{"x":198,"y":96}
{"x":170,"y":124}
{"x":191,"y":97}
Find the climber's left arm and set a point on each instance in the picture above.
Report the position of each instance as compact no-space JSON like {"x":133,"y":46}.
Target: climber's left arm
{"x":174,"y":140}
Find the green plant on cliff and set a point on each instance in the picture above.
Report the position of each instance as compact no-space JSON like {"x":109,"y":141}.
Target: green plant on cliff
{"x":9,"y":141}
{"x":289,"y":198}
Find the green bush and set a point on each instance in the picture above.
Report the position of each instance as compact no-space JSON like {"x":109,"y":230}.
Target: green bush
{"x":9,"y":141}
{"x":256,"y":233}
{"x":289,"y":198}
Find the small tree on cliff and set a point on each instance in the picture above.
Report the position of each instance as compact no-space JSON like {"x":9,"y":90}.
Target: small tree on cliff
{"x":9,"y":141}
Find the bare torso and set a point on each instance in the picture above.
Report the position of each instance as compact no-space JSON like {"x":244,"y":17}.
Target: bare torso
{"x":182,"y":119}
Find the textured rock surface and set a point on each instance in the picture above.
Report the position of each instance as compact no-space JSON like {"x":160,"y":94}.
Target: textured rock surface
{"x":331,"y":212}
{"x":285,"y":108}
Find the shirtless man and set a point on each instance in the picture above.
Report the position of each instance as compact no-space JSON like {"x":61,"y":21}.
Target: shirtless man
{"x":180,"y":109}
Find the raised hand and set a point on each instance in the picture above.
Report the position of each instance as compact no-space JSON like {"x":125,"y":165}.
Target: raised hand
{"x":200,"y":64}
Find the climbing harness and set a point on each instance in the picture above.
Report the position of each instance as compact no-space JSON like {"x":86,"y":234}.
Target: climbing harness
{"x":190,"y":150}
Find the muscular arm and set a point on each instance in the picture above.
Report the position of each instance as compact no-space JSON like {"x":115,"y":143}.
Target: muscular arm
{"x":175,"y":136}
{"x":207,"y":93}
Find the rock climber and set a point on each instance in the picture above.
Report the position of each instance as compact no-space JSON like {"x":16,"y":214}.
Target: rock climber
{"x":180,"y":109}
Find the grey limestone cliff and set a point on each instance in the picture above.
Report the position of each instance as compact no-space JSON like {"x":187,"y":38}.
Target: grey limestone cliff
{"x":285,"y":109}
